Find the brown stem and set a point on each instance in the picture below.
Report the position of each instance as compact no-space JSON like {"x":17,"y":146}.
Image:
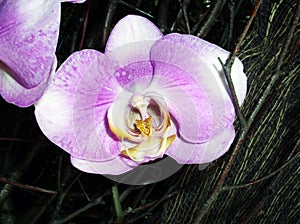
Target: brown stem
{"x":25,"y":186}
{"x":245,"y":31}
{"x":86,"y":18}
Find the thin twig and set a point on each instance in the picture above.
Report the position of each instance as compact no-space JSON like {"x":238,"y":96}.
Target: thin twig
{"x":199,"y":21}
{"x":85,"y":22}
{"x":178,"y":18}
{"x":62,"y":196}
{"x":83,"y":190}
{"x":18,"y":140}
{"x":228,"y":188}
{"x":26,"y":187}
{"x":59,"y":172}
{"x":185,"y":5}
{"x":231,"y":22}
{"x":234,"y":97}
{"x":110,"y":12}
{"x":126,"y":192}
{"x":155,"y":202}
{"x":91,"y":204}
{"x":5,"y":191}
{"x":136,"y":9}
{"x":211,"y":18}
{"x":245,"y":31}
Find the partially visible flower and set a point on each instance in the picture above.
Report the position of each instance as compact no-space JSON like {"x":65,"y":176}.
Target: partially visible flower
{"x":148,"y":95}
{"x":28,"y":39}
{"x":74,"y":1}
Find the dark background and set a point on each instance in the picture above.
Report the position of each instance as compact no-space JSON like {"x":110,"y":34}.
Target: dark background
{"x":256,"y":184}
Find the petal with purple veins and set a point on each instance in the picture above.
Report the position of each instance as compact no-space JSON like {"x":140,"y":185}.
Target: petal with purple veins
{"x":196,"y":62}
{"x":72,"y":113}
{"x":28,"y":39}
{"x":187,"y":102}
{"x":209,"y":53}
{"x":191,"y":91}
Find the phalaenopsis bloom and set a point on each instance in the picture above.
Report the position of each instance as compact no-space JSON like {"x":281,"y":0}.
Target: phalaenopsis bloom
{"x":28,"y":39}
{"x":148,"y":95}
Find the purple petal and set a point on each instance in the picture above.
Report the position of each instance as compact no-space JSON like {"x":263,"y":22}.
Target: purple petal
{"x":72,"y":112}
{"x":209,"y":53}
{"x":185,"y":153}
{"x":14,"y":93}
{"x":135,"y":77}
{"x":132,"y":29}
{"x":184,"y":99}
{"x":115,"y":166}
{"x":191,"y":90}
{"x":129,"y":44}
{"x":28,"y":39}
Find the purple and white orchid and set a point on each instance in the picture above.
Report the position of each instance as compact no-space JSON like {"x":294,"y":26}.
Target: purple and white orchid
{"x":148,"y":95}
{"x":28,"y":39}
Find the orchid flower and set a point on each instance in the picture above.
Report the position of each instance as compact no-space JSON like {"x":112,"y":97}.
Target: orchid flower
{"x":28,"y":39}
{"x":147,"y":96}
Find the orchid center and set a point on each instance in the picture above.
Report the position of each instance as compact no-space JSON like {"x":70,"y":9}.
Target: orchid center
{"x":143,"y":126}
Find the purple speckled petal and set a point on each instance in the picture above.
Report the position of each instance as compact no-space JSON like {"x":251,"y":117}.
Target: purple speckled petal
{"x":191,"y":91}
{"x":14,"y":93}
{"x":209,"y":53}
{"x":115,"y":166}
{"x":135,"y":77}
{"x":129,"y":44}
{"x":185,"y":153}
{"x":72,"y":112}
{"x":28,"y":39}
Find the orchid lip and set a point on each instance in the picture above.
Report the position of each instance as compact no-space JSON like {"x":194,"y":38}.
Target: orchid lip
{"x":144,"y":127}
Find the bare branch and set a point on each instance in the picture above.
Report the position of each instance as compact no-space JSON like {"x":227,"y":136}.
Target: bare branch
{"x":26,"y":187}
